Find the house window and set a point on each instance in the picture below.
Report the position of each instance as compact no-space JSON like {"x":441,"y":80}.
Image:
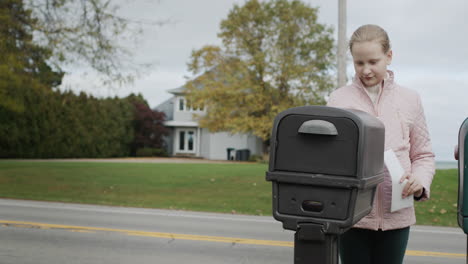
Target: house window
{"x":185,"y":105}
{"x":190,"y":140}
{"x":186,"y":141}
{"x":182,"y":140}
{"x":181,"y":104}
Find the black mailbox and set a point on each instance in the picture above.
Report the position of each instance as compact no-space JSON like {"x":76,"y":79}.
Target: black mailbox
{"x":325,"y":165}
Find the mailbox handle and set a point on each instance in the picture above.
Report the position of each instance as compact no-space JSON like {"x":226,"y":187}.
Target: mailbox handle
{"x":319,"y":127}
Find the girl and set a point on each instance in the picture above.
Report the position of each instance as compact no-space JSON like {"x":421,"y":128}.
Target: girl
{"x":381,"y":237}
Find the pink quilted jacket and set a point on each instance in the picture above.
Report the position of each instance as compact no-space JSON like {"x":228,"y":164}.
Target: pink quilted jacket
{"x":406,"y":134}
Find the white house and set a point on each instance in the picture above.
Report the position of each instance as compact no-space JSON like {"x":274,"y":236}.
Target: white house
{"x":187,"y":138}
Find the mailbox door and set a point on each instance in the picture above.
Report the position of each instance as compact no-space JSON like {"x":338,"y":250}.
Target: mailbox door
{"x":317,"y":152}
{"x":314,"y":201}
{"x":463,"y":177}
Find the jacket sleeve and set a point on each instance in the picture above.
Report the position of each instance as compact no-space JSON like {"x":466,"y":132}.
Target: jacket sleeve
{"x":332,"y":100}
{"x":421,"y":155}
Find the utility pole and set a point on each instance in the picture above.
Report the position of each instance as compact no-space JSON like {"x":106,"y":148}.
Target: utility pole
{"x":341,"y":43}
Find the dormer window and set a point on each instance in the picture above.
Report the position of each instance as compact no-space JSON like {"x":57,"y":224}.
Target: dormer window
{"x":184,"y":105}
{"x":181,"y":104}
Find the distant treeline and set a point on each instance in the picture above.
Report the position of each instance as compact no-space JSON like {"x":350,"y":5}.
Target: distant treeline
{"x":55,"y":124}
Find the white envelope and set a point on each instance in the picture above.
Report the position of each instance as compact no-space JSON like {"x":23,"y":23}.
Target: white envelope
{"x":396,"y":172}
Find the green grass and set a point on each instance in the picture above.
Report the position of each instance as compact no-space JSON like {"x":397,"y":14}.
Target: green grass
{"x":226,"y":188}
{"x":239,"y":188}
{"x":441,"y":209}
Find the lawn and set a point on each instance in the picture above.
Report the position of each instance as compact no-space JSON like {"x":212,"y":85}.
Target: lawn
{"x":441,"y":209}
{"x":226,"y":188}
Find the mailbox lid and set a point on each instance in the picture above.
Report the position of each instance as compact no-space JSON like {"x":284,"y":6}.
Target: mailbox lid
{"x":320,"y":153}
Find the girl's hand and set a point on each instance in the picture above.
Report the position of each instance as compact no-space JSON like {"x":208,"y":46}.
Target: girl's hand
{"x":413,"y":186}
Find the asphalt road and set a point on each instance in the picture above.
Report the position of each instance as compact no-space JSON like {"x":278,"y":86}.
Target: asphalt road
{"x":40,"y":232}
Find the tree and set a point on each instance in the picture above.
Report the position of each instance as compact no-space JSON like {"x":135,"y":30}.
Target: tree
{"x":82,"y":32}
{"x":23,"y":63}
{"x":148,"y":126}
{"x":40,"y":37}
{"x":274,"y":55}
{"x":88,"y":33}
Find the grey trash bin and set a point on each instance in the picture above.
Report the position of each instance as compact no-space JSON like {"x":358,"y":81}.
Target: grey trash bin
{"x":242,"y":154}
{"x":325,"y":164}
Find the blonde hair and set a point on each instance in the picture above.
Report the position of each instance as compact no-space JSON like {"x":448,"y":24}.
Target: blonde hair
{"x":370,"y":33}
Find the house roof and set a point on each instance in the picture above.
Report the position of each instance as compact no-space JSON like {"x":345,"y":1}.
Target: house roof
{"x":180,"y":90}
{"x":175,"y":123}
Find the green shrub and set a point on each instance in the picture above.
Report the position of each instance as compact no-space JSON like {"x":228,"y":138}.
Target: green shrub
{"x":259,"y":158}
{"x":151,"y":152}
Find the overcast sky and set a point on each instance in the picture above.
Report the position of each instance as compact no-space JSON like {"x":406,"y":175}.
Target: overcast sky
{"x":429,"y":41}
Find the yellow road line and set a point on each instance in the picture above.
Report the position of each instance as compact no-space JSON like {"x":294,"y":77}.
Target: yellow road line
{"x":434,"y":254}
{"x":149,"y":234}
{"x":231,"y":240}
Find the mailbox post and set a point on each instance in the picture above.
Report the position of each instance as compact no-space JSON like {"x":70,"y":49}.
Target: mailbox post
{"x":462,"y":157}
{"x":325,"y":165}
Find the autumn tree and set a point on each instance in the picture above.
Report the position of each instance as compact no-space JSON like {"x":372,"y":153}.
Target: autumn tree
{"x":23,"y":63}
{"x":274,"y":55}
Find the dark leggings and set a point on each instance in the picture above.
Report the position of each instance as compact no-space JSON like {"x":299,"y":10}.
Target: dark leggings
{"x":362,"y":246}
